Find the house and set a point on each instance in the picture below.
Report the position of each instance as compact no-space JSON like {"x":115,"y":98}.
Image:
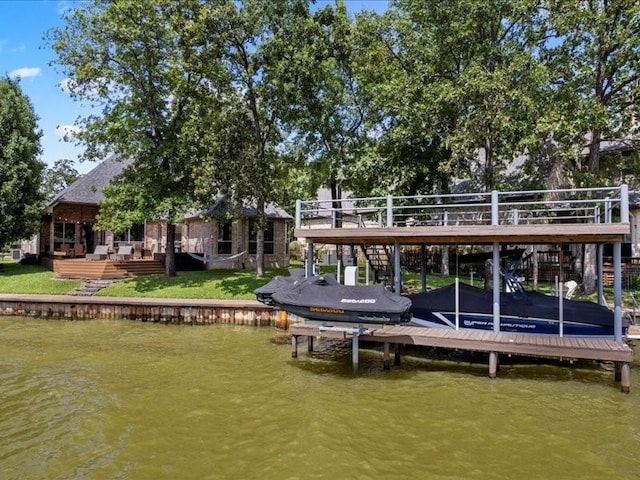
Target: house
{"x":68,"y":229}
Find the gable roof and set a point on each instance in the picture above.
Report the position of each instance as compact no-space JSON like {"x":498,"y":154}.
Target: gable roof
{"x":220,"y":208}
{"x":88,"y":188}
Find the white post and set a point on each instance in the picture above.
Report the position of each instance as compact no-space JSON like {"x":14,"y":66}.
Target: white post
{"x":560,"y":310}
{"x":338,"y":269}
{"x":457,"y":303}
{"x":496,"y":286}
{"x":354,"y":352}
{"x":389,"y":211}
{"x":617,"y":291}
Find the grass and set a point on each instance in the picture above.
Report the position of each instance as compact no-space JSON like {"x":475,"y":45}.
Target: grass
{"x":16,"y":278}
{"x":218,"y":284}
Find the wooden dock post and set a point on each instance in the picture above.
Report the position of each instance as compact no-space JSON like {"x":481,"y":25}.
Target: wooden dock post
{"x":294,"y":346}
{"x":386,"y":357}
{"x":625,"y":378}
{"x":493,"y":364}
{"x":354,"y":352}
{"x":309,"y":344}
{"x":396,"y":355}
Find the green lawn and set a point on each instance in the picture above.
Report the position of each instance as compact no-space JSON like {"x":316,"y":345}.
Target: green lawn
{"x":218,"y":284}
{"x":16,"y":278}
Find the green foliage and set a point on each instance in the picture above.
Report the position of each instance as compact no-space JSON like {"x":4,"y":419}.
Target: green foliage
{"x":20,"y":169}
{"x":145,"y":68}
{"x":58,"y":177}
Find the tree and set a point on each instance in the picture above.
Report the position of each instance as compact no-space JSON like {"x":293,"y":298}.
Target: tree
{"x":141,"y":63}
{"x":258,"y":46}
{"x":468,"y":79}
{"x":58,"y":177}
{"x":21,"y":201}
{"x":593,"y":56}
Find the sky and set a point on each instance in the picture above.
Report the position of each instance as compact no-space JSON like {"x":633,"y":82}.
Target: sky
{"x":25,"y":54}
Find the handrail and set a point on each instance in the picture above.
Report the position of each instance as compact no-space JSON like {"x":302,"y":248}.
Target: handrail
{"x":533,"y":206}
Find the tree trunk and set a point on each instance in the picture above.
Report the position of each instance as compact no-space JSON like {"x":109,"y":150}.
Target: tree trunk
{"x":444,"y":261}
{"x":260,"y":240}
{"x":589,"y":270}
{"x":170,"y":251}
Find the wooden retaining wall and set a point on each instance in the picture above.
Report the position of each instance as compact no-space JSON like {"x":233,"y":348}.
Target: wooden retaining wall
{"x":182,"y":312}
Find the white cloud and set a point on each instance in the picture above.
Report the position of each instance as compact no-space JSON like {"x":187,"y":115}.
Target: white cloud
{"x":19,"y":49}
{"x":67,"y":130}
{"x":25,"y":72}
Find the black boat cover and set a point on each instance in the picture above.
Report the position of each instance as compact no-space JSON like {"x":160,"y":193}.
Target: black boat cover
{"x":527,"y":304}
{"x":325,"y":298}
{"x":264,"y":293}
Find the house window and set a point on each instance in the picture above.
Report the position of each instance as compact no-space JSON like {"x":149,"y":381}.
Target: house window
{"x":224,"y":238}
{"x":63,"y":232}
{"x":268,"y":238}
{"x":134,"y":234}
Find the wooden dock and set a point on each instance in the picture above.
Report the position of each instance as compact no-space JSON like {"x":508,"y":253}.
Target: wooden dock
{"x":494,"y":343}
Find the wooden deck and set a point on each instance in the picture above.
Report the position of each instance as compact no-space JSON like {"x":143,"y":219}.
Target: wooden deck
{"x":102,"y":269}
{"x":547,"y":346}
{"x":469,"y":234}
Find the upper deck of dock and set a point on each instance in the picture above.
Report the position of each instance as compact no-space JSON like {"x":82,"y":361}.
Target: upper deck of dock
{"x":590,"y":215}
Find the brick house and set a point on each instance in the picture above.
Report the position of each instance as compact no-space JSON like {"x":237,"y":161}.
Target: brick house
{"x":68,"y":229}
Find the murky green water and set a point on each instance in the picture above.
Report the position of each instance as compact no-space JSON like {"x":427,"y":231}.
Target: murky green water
{"x":110,"y":399}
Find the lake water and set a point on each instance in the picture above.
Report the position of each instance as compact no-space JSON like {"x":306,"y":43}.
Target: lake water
{"x":127,"y":400}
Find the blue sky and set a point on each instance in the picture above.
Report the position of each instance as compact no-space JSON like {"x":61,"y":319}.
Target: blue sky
{"x":24,"y":53}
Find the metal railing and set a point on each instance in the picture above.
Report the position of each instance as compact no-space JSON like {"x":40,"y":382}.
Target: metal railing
{"x":579,"y":205}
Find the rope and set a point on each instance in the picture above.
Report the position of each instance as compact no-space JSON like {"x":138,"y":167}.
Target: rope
{"x":216,"y":260}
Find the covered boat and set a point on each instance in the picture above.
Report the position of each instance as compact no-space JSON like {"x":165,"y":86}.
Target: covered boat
{"x":520,"y":311}
{"x":326,"y":301}
{"x":296,"y":276}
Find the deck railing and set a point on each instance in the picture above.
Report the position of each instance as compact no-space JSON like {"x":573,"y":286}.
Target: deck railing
{"x":578,"y":205}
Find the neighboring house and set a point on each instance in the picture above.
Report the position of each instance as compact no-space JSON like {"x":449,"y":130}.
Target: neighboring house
{"x":71,"y":215}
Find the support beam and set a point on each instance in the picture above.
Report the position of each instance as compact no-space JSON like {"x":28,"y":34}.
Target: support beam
{"x":397,"y":286}
{"x":496,"y":287}
{"x":354,"y":351}
{"x":423,"y":267}
{"x":310,"y":344}
{"x":617,"y":291}
{"x":493,"y":364}
{"x":625,"y":380}
{"x":294,"y":346}
{"x":386,"y":357}
{"x":396,"y":355}
{"x":600,"y":281}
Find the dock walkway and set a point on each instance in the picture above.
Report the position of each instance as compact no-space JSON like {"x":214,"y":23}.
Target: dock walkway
{"x":548,"y":346}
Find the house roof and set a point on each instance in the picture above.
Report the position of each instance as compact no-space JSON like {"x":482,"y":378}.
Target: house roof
{"x":88,"y":188}
{"x":221,"y":208}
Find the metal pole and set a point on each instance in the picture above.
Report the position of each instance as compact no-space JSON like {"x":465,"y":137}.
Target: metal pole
{"x":617,"y":291}
{"x":389,"y":211}
{"x":298,"y":213}
{"x":457,"y":303}
{"x":423,"y":267}
{"x":561,"y":310}
{"x":354,"y":352}
{"x":600,"y":280}
{"x":397,"y":288}
{"x":338,"y":270}
{"x":624,"y":203}
{"x":367,"y":266}
{"x":496,"y":286}
{"x":495,"y":215}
